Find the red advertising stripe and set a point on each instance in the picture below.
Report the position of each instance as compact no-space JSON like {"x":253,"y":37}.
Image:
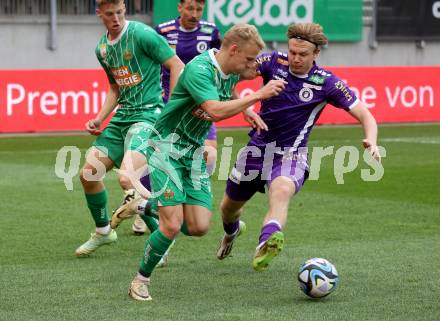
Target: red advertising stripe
{"x":63,"y":100}
{"x":49,"y":100}
{"x":393,"y":94}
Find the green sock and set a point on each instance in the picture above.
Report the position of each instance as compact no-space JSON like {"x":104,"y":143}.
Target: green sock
{"x":97,"y":203}
{"x":150,"y":217}
{"x":152,"y":223}
{"x":155,"y":247}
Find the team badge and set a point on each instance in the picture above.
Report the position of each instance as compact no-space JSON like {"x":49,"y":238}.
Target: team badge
{"x":103,"y":50}
{"x":168,"y":194}
{"x":306,"y":94}
{"x":202,"y":46}
{"x":128,"y":54}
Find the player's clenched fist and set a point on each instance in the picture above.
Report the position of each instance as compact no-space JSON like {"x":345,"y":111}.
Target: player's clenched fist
{"x":93,"y":125}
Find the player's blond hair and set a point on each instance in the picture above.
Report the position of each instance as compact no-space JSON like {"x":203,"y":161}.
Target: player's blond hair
{"x":242,"y":34}
{"x":311,"y":32}
{"x":100,"y":3}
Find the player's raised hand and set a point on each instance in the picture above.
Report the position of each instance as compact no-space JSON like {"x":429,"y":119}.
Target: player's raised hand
{"x":372,"y":148}
{"x":272,"y":88}
{"x":93,"y":125}
{"x":254,"y":120}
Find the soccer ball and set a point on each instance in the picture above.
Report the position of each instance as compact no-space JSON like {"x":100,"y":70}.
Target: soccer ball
{"x":317,"y":277}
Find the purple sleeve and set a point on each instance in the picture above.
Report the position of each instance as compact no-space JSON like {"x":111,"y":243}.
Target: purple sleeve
{"x":216,"y":40}
{"x":265,"y":63}
{"x":339,"y":95}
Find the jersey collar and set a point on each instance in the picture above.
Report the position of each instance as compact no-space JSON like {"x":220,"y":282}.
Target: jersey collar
{"x":112,"y":42}
{"x":215,"y":62}
{"x":305,"y":75}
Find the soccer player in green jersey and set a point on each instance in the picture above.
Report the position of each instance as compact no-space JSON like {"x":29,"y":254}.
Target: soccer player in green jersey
{"x":131,"y":54}
{"x":174,"y":150}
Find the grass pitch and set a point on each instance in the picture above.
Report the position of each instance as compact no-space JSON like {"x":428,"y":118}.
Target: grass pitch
{"x":383,"y":237}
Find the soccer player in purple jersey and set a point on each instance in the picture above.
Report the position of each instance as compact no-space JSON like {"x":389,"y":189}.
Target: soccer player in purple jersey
{"x":278,"y":157}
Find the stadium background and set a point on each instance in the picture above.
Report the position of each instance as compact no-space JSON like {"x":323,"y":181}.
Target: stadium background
{"x":50,"y":79}
{"x":383,"y":237}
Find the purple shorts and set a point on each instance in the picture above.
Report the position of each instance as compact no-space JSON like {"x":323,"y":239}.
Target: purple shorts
{"x":212,"y":134}
{"x":251,"y":173}
{"x":145,"y":181}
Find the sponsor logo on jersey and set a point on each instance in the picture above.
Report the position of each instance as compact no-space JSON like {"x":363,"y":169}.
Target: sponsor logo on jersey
{"x":172,"y":42}
{"x":202,"y":46}
{"x":319,"y":80}
{"x":128,"y":55}
{"x":282,"y":72}
{"x":199,"y":112}
{"x":283,"y":62}
{"x":207,"y":38}
{"x":306,"y":85}
{"x":341,"y":87}
{"x":103,"y":50}
{"x":124,"y":78}
{"x":305,"y":94}
{"x":207,"y":29}
{"x":173,"y":35}
{"x":262,"y":59}
{"x":166,"y":29}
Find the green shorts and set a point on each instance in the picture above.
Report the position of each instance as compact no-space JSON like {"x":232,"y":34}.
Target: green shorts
{"x":179,"y":181}
{"x":115,"y":139}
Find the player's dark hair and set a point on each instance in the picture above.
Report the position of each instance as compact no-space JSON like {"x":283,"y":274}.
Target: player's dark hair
{"x":311,"y":32}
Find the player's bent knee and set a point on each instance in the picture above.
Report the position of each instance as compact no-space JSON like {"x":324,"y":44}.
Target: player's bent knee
{"x":283,"y":191}
{"x":170,"y":230}
{"x":89,"y":177}
{"x":198,"y":230}
{"x":125,"y":182}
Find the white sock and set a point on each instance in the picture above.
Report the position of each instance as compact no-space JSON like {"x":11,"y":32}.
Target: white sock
{"x":275,"y":222}
{"x":103,"y":230}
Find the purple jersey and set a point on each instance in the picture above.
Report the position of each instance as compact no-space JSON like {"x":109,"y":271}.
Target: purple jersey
{"x":291,"y":115}
{"x":187,"y":43}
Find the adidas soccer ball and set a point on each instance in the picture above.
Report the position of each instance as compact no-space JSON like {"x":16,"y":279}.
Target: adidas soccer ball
{"x":317,"y":277}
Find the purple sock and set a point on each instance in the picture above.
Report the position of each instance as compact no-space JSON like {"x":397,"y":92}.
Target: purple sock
{"x":231,"y":228}
{"x":267,"y":231}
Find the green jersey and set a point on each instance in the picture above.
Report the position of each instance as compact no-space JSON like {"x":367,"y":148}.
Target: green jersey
{"x":202,"y":79}
{"x":132,"y":61}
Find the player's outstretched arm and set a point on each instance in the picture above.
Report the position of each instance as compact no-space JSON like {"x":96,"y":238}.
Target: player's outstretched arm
{"x":110,"y":103}
{"x":363,"y":115}
{"x":175,"y":66}
{"x":219,"y":110}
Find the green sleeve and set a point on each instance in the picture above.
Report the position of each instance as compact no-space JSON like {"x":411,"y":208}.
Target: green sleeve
{"x":199,"y":82}
{"x":110,"y":78}
{"x":154,"y":45}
